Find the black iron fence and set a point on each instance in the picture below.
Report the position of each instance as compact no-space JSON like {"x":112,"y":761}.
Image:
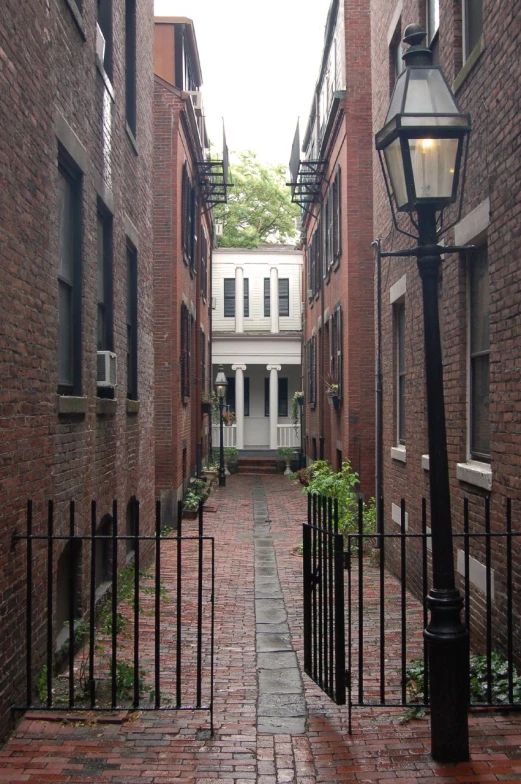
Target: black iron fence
{"x":324,"y":625}
{"x":126,"y":619}
{"x":388,"y":576}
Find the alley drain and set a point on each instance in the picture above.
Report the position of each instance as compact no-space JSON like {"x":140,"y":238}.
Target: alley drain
{"x":281,"y":708}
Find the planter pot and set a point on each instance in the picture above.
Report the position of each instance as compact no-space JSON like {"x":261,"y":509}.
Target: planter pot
{"x":334,"y":401}
{"x":206,"y":408}
{"x":190,"y":514}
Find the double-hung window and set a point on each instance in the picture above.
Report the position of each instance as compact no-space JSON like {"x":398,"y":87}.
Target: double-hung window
{"x":104,"y":18}
{"x":130,"y":64}
{"x":104,"y":274}
{"x":186,"y":350}
{"x":479,"y":355}
{"x":69,"y":280}
{"x":229,"y":298}
{"x":472,"y":11}
{"x":132,"y":388}
{"x":335,"y":345}
{"x":399,"y":321}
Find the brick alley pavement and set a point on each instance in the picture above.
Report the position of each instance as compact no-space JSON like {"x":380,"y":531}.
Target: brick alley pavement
{"x":310,"y":744}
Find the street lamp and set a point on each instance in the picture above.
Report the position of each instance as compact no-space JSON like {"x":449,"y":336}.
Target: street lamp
{"x":220,"y":385}
{"x":422,"y":148}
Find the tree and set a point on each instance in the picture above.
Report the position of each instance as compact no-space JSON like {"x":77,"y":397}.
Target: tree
{"x":259,"y":207}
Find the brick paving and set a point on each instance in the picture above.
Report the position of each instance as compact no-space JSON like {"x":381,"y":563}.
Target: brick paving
{"x":158,"y":748}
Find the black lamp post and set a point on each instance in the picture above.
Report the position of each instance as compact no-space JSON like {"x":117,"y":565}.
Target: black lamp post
{"x":220,"y":384}
{"x":422,"y":145}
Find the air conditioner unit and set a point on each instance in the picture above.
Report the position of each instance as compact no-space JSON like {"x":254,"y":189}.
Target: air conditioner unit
{"x":197,"y":100}
{"x":107,"y":369}
{"x":310,"y":293}
{"x":219,"y":228}
{"x":100,"y":44}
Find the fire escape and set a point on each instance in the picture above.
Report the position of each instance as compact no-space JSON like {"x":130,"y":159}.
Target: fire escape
{"x":307,"y":176}
{"x":213,"y":178}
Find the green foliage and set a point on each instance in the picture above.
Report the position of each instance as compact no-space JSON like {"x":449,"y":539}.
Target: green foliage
{"x":342,"y":485}
{"x":125,"y":678}
{"x":297,"y":401}
{"x":40,"y":686}
{"x":231,"y":451}
{"x":415,"y":683}
{"x":287,"y":452}
{"x":259,"y":207}
{"x":192,"y":500}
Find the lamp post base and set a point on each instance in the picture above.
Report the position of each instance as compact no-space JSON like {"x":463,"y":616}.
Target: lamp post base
{"x":448,"y":651}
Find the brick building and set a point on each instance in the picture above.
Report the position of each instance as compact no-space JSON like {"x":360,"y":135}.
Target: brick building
{"x":186,"y":185}
{"x":479,"y":292}
{"x":332,"y":182}
{"x":76,"y":78}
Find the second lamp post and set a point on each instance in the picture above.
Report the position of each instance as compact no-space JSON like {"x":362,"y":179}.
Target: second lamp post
{"x":221,"y":385}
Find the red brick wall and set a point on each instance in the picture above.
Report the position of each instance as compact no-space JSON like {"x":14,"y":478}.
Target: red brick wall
{"x":46,"y":455}
{"x":179,"y":424}
{"x":489,"y":93}
{"x":351,"y":282}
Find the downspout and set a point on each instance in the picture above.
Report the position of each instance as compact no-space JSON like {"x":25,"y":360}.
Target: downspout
{"x":376,"y":244}
{"x":198,"y":374}
{"x":210,"y":318}
{"x":321,"y":333}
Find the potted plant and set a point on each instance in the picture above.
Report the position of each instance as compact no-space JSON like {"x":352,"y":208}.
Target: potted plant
{"x":209,"y":402}
{"x":332,"y":393}
{"x":231,"y":454}
{"x":297,"y":401}
{"x":229,"y":417}
{"x":287,"y":453}
{"x":191,"y":504}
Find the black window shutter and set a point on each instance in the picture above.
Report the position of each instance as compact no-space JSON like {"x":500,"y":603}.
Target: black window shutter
{"x":246,"y":298}
{"x":229,"y":297}
{"x":283,"y":296}
{"x":267,"y":303}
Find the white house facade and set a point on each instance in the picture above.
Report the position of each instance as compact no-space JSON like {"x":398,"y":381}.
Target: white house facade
{"x":259,"y":344}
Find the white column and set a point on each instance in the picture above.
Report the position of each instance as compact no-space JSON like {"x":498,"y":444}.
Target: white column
{"x":239,"y":404}
{"x":239,"y":299}
{"x":274,"y":299}
{"x":274,"y":403}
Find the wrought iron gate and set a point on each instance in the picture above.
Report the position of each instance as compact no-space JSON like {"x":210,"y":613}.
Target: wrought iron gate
{"x":148,"y":643}
{"x":324,"y":624}
{"x":385,"y":619}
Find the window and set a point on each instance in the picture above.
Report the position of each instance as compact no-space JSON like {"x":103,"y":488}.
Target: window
{"x":337,"y":216}
{"x":202,"y":344}
{"x":189,"y":221}
{"x":315,"y":262}
{"x":267,"y":299}
{"x":479,"y":324}
{"x":399,"y":319}
{"x":186,"y":351}
{"x":246,"y":298}
{"x":132,"y":390}
{"x":229,"y":297}
{"x":104,"y":271}
{"x":282,"y":399}
{"x":130,"y":64}
{"x":193,"y":239}
{"x":395,"y":56}
{"x":472,"y":25}
{"x":105,"y":27}
{"x":283,"y":296}
{"x":230,"y":393}
{"x":204,"y":265}
{"x":69,"y":280}
{"x":335,"y":344}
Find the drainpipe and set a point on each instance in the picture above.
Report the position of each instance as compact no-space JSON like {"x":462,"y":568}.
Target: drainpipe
{"x":322,"y":360}
{"x":378,"y":388}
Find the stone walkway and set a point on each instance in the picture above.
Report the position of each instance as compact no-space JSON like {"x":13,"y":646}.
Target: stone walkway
{"x":272,"y":724}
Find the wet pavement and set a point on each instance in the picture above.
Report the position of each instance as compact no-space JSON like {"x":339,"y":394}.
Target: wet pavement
{"x":273,"y":725}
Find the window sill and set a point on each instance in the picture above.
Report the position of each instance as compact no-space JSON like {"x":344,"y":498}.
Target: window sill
{"x":399,"y":453}
{"x":106,"y":407}
{"x":131,"y":138}
{"x":133,"y":406}
{"x":469,"y":65}
{"x":77,"y":16}
{"x":475,"y":473}
{"x":68,"y":405}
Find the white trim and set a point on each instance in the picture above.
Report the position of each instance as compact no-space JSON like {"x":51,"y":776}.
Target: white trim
{"x":475,"y":473}
{"x":399,"y":453}
{"x":397,"y":291}
{"x":473,"y":225}
{"x":396,"y":515}
{"x":394,"y":22}
{"x":477,"y":573}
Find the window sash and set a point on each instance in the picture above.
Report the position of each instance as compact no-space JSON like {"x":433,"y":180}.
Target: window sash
{"x":246,"y":306}
{"x":186,"y":353}
{"x":283,"y":296}
{"x":473,"y":24}
{"x":104,"y":278}
{"x":400,"y":374}
{"x":479,"y":355}
{"x":132,"y":337}
{"x":229,"y":297}
{"x":130,"y":64}
{"x":267,"y":298}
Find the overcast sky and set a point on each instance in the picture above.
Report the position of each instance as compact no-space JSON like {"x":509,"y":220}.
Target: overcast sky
{"x":260,"y":63}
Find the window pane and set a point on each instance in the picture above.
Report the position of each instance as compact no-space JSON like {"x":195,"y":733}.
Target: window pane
{"x":479,"y":298}
{"x":64,"y":334}
{"x":65,"y":227}
{"x":284,"y":297}
{"x":479,"y":355}
{"x":480,"y":443}
{"x":229,"y":296}
{"x":267,"y":301}
{"x":400,"y":376}
{"x":473,"y":24}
